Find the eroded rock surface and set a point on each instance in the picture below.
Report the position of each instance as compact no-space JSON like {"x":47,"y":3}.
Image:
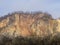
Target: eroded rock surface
{"x":26,"y":25}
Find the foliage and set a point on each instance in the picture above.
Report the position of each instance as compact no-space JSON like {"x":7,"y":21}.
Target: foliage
{"x":30,"y":41}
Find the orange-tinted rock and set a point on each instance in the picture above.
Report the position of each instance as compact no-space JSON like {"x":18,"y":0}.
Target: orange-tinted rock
{"x":25,"y":25}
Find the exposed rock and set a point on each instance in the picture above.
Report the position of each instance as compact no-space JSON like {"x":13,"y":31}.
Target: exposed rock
{"x":27,"y":24}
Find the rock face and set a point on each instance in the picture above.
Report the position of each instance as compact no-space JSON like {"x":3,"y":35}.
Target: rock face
{"x":26,"y":24}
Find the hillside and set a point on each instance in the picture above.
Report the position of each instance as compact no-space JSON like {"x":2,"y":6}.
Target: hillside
{"x":36,"y":24}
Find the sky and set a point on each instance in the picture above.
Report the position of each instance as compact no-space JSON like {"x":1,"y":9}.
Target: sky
{"x":50,"y":6}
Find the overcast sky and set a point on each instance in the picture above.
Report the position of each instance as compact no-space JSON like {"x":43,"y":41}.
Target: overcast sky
{"x":50,"y":6}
